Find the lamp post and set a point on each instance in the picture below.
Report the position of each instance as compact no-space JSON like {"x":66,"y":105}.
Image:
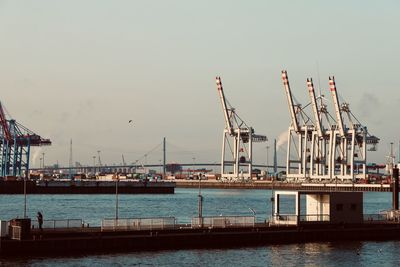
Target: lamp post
{"x":200,"y":203}
{"x":94,"y":165}
{"x":267,"y":147}
{"x":25,"y":196}
{"x":193,"y":167}
{"x":116,"y":198}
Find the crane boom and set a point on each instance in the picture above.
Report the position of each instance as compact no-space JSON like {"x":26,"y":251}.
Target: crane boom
{"x":224,"y":106}
{"x":332,"y":86}
{"x":3,"y":122}
{"x":314,"y":104}
{"x":289,"y":96}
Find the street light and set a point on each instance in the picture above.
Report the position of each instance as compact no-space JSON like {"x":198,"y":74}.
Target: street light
{"x":94,"y":164}
{"x":193,"y":167}
{"x":267,"y":147}
{"x":200,"y":202}
{"x":116,"y":198}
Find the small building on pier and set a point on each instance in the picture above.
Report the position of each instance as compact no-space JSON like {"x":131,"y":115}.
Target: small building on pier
{"x":317,"y":206}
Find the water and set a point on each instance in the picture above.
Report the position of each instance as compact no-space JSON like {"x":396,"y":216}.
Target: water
{"x":183,"y":205}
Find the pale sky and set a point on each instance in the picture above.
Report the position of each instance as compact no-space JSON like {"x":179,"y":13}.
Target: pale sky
{"x":83,"y":69}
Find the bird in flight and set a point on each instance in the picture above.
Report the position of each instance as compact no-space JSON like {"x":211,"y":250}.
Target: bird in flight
{"x":130,"y":121}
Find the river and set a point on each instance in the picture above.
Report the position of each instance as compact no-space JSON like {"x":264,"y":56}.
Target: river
{"x":183,"y":205}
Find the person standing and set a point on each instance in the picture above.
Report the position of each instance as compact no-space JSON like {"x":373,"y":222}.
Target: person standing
{"x":40,"y":220}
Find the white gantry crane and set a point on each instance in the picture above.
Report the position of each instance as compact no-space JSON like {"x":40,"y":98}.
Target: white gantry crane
{"x":320,"y":139}
{"x":349,"y":145}
{"x":298,"y":137}
{"x":238,"y":137}
{"x":335,"y":151}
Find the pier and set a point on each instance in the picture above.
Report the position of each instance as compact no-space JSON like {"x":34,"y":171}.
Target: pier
{"x":285,"y":186}
{"x":84,"y":240}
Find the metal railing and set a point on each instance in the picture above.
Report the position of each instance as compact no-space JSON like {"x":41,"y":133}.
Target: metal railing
{"x":138,"y":224}
{"x":290,"y":219}
{"x":374,"y":218}
{"x":284,"y":219}
{"x":57,"y":224}
{"x":314,"y":218}
{"x":223,"y":221}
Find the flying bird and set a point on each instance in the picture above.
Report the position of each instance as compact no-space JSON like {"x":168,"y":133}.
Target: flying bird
{"x":130,"y":121}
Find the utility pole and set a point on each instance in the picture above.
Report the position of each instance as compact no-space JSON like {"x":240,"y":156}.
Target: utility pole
{"x":164,"y":157}
{"x":94,"y":164}
{"x":116,"y":198}
{"x":99,"y":159}
{"x":70,"y":160}
{"x":193,"y":167}
{"x":24,"y":196}
{"x":267,"y":147}
{"x":200,"y":203}
{"x":275,"y":159}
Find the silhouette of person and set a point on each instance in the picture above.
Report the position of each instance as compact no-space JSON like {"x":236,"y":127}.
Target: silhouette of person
{"x":40,"y":220}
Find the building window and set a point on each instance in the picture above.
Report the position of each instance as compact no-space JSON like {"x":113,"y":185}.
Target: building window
{"x":339,"y":207}
{"x":353,"y":206}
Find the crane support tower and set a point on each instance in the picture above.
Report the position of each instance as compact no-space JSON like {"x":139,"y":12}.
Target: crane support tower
{"x":319,"y":166}
{"x":299,"y":137}
{"x":15,"y":146}
{"x":238,"y":137}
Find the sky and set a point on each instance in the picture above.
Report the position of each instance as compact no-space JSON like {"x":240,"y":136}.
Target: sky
{"x":81,"y":70}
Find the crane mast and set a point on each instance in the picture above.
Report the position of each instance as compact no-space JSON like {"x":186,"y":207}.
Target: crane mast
{"x":291,"y":105}
{"x":225,"y":109}
{"x":332,"y":86}
{"x":4,"y":125}
{"x":314,"y":105}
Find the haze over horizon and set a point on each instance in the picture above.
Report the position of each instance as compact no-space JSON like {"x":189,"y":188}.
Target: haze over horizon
{"x":81,"y":70}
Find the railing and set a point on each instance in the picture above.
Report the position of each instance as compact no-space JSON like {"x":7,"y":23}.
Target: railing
{"x":374,"y":218}
{"x":314,"y":218}
{"x":391,"y":215}
{"x":223,"y":221}
{"x":57,"y":224}
{"x":285,"y":219}
{"x":290,"y":219}
{"x":138,"y":224}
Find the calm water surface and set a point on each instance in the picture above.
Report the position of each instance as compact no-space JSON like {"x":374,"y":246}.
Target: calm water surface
{"x":183,"y":205}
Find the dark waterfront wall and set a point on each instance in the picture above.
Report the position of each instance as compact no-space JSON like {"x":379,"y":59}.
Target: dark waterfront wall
{"x":17,"y":187}
{"x":100,"y":242}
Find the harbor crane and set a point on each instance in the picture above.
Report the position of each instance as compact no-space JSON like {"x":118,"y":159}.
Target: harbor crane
{"x":15,"y":146}
{"x":349,"y":142}
{"x":299,"y":136}
{"x":239,"y":138}
{"x":320,"y":140}
{"x":337,"y":150}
